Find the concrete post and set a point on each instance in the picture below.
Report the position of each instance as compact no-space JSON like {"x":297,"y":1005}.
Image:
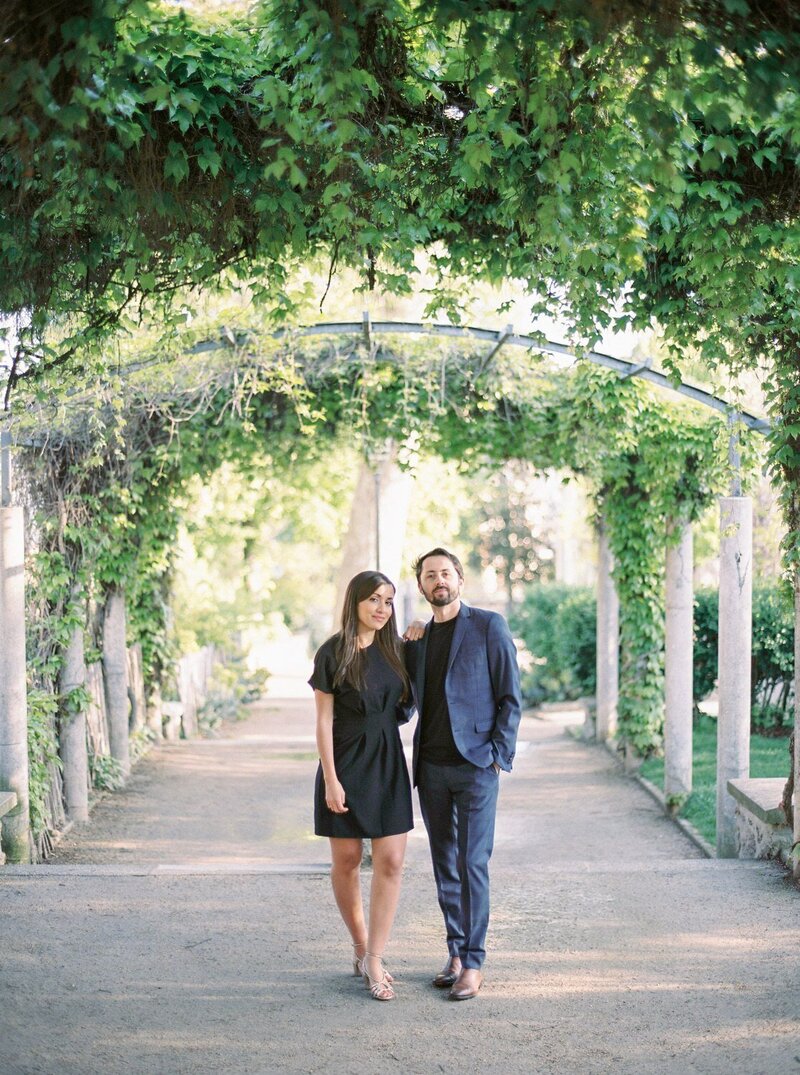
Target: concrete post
{"x":678,"y":667}
{"x":735,"y":646}
{"x":72,"y":741}
{"x":13,"y":692}
{"x":155,"y":715}
{"x":115,"y":674}
{"x":607,"y":642}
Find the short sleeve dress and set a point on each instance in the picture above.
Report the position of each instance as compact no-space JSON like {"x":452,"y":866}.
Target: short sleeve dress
{"x":367,"y":750}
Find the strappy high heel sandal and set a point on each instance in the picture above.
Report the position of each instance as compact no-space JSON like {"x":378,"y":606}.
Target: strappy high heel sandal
{"x":358,"y":961}
{"x":358,"y":964}
{"x":380,"y":988}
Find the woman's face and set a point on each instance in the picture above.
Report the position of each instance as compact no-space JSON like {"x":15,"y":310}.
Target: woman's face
{"x":376,"y":610}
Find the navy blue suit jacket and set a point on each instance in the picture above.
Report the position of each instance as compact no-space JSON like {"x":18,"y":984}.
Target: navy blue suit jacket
{"x":481,"y":686}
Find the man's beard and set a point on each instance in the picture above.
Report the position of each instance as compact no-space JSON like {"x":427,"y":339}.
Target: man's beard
{"x":439,"y":599}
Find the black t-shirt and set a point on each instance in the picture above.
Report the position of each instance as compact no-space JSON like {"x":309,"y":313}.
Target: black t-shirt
{"x":436,"y":743}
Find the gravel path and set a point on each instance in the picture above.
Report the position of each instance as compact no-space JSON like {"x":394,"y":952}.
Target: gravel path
{"x":191,"y":929}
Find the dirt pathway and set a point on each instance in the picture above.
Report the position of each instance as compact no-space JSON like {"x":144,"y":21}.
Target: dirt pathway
{"x":191,"y":929}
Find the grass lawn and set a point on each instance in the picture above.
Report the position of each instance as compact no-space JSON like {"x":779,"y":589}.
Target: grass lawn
{"x":768,"y":757}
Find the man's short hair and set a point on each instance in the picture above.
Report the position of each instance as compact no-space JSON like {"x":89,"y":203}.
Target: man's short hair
{"x":451,"y":556}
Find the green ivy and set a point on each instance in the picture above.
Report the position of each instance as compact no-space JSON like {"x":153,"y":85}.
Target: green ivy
{"x":105,"y":772}
{"x":42,"y":756}
{"x":647,"y":463}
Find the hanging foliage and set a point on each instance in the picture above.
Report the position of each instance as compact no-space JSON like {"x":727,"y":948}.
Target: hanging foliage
{"x":625,"y":162}
{"x":120,"y":472}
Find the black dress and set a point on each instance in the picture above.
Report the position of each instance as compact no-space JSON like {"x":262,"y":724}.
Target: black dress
{"x":367,"y":750}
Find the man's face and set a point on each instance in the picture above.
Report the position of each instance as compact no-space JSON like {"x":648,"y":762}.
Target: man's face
{"x":439,"y":582}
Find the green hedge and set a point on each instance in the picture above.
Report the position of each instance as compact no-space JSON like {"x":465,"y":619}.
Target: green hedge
{"x":773,"y":655}
{"x":557,"y":624}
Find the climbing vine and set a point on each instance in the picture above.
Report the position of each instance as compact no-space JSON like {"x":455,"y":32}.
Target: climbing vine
{"x":647,"y":462}
{"x":629,"y":163}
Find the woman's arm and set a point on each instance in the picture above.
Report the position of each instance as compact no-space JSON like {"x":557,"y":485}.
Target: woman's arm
{"x":334,"y":792}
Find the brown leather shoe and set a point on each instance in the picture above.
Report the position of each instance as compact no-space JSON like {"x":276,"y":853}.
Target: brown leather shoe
{"x":467,"y":984}
{"x":448,"y":974}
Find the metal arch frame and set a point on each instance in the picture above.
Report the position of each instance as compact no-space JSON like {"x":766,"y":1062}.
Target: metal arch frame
{"x":366,"y":328}
{"x":503,"y":338}
{"x":508,"y":338}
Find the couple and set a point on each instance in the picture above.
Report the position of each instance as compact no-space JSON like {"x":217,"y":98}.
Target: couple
{"x":462,"y":677}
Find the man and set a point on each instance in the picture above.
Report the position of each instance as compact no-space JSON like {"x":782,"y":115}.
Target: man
{"x":465,"y":682}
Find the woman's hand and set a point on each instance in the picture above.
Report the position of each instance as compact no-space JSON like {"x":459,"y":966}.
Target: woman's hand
{"x":334,"y":797}
{"x":414,"y":631}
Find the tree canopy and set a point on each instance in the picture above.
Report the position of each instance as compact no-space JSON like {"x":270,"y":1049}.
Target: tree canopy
{"x":628,"y":163}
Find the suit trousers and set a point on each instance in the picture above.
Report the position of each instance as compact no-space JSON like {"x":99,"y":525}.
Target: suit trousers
{"x":459,"y":804}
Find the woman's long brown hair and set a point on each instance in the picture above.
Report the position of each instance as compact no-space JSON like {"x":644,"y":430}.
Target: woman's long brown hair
{"x":350,"y":657}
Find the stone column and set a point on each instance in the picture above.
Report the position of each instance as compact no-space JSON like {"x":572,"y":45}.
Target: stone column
{"x":72,"y":741}
{"x":607,"y":642}
{"x":678,"y":666}
{"x":13,"y":690}
{"x":155,"y":715}
{"x":735,"y":646}
{"x":115,"y":675}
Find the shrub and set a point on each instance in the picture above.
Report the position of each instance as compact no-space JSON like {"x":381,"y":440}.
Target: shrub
{"x":557,"y":625}
{"x":231,"y":687}
{"x":772,"y":660}
{"x":706,"y":641}
{"x":105,"y":772}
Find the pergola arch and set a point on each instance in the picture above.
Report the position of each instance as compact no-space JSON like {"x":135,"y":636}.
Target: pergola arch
{"x":735,"y":577}
{"x":507,"y":337}
{"x":366,"y":330}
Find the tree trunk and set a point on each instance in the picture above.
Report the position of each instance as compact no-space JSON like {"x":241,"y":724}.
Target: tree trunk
{"x":155,"y":715}
{"x":377,"y":527}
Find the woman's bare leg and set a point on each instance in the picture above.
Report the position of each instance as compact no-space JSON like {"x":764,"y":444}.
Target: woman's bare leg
{"x":346,"y":882}
{"x":388,"y":853}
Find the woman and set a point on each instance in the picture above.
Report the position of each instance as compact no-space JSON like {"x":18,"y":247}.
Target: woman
{"x":362,"y":788}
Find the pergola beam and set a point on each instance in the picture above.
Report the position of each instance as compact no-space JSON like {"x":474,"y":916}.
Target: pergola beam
{"x":502,"y":337}
{"x":532,"y":343}
{"x":505,"y":338}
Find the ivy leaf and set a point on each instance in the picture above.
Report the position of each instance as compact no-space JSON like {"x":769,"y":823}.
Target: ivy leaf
{"x":176,"y":165}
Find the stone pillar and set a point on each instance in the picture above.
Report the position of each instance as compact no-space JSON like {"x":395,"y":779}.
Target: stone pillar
{"x":155,"y":715}
{"x":72,"y":740}
{"x":735,"y":646}
{"x":16,"y":841}
{"x":678,"y":666}
{"x":115,"y":675}
{"x":607,"y":642}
